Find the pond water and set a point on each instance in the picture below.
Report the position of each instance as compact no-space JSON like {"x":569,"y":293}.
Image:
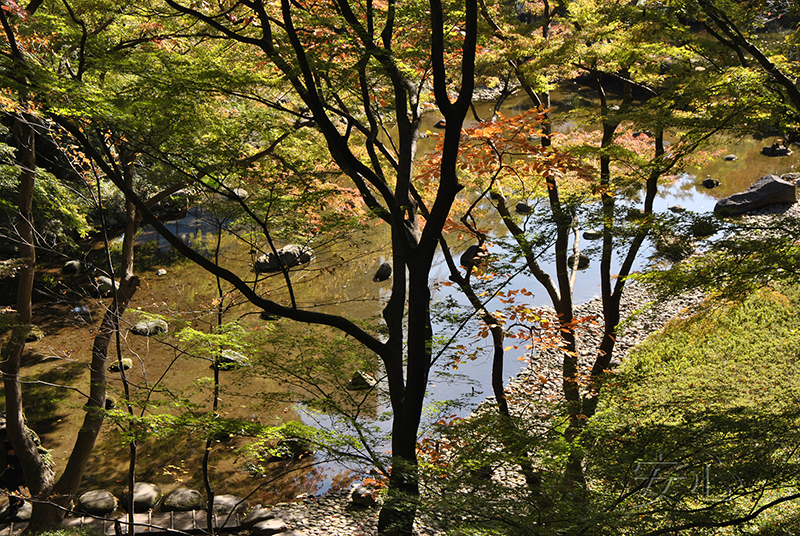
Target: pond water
{"x":338,"y":281}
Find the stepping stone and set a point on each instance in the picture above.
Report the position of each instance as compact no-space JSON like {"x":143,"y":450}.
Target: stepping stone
{"x":182,"y":500}
{"x":97,"y":502}
{"x":145,"y":497}
{"x":226,"y":504}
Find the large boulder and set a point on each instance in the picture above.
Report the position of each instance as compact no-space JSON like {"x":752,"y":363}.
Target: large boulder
{"x":289,"y":256}
{"x":182,"y":500}
{"x":766,"y":191}
{"x":98,"y":502}
{"x":145,"y":497}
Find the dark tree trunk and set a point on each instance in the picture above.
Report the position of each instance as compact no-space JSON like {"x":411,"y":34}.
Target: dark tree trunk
{"x":38,"y":474}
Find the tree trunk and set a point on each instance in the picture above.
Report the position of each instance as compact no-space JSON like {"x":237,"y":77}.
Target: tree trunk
{"x":47,"y":515}
{"x":398,"y":513}
{"x":37,"y":473}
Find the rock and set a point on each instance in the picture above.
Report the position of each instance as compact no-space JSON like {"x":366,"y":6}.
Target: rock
{"x":268,"y":316}
{"x":583,"y":261}
{"x":256,"y":516}
{"x":127,"y":364}
{"x":363,"y":496}
{"x":440,"y":124}
{"x":794,"y":177}
{"x":145,"y":497}
{"x":72,"y":267}
{"x":361,"y":381}
{"x":766,"y":191}
{"x":289,"y":256}
{"x":182,"y":500}
{"x":776,"y":149}
{"x":292,"y":448}
{"x":19,"y":512}
{"x":241,"y":193}
{"x":592,"y":235}
{"x":383,"y":273}
{"x":231,"y":360}
{"x":98,"y":502}
{"x":677,"y":209}
{"x":710,"y":183}
{"x":111,"y":402}
{"x":230,"y":504}
{"x":161,"y":271}
{"x":472,"y":256}
{"x":149,"y":328}
{"x":105,"y":284}
{"x":523,"y":208}
{"x":730,"y":157}
{"x":34,"y":334}
{"x":24,"y":512}
{"x":268,"y":527}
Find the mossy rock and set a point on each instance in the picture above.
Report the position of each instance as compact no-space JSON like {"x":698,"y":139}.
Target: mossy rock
{"x":182,"y":500}
{"x":149,"y":328}
{"x":34,"y":334}
{"x":361,"y":381}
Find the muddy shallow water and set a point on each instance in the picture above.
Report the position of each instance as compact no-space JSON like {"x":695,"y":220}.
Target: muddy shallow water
{"x":168,"y":376}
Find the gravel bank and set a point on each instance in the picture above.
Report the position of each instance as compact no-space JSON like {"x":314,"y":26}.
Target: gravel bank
{"x":332,"y":514}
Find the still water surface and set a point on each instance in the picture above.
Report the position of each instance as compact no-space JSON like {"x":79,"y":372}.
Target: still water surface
{"x":347,"y":289}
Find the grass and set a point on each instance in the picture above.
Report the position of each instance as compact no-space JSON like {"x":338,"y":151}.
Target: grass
{"x":70,"y":532}
{"x":701,"y":426}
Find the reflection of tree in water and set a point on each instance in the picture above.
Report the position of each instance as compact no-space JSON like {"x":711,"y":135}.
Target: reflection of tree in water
{"x":302,"y":478}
